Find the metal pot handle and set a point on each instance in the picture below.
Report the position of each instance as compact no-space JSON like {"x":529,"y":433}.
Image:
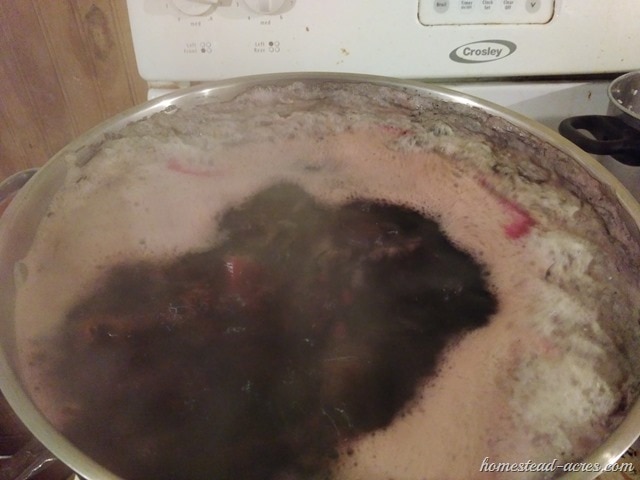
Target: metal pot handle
{"x":610,"y":136}
{"x":30,"y":460}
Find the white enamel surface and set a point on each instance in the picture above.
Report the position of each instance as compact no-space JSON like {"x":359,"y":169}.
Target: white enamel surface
{"x":379,"y":37}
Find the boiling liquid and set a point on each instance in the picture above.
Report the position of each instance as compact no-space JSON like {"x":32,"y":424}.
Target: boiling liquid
{"x":497,"y":391}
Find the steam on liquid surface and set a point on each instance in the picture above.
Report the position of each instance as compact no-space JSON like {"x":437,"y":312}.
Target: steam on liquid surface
{"x":307,"y":327}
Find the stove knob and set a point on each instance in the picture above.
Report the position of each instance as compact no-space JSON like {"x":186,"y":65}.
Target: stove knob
{"x":195,"y":8}
{"x":265,"y":7}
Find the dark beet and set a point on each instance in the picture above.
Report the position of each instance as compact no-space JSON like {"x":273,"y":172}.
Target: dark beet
{"x":306,"y":327}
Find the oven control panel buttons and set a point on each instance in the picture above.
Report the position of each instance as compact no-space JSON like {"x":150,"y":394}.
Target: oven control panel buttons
{"x":532,"y":6}
{"x":441,"y":6}
{"x":478,"y":12}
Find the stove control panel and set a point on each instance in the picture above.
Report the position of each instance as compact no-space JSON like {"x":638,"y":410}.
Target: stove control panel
{"x":474,"y":12}
{"x":182,"y":41}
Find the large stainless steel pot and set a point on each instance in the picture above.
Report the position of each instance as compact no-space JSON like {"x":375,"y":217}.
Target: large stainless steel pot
{"x":28,"y":207}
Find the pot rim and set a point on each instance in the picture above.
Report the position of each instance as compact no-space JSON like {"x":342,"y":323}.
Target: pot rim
{"x":223,"y":90}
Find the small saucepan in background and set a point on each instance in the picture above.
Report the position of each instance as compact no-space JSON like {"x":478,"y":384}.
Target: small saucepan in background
{"x":617,"y":134}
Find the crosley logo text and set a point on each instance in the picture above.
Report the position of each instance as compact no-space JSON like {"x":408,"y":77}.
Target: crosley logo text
{"x":482,"y":51}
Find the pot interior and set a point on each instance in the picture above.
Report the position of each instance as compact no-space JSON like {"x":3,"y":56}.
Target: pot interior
{"x":362,"y":260}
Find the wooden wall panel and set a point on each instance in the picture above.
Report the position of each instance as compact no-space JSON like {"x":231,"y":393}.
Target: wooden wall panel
{"x":72,"y":60}
{"x":20,"y":115}
{"x":65,"y":65}
{"x":37,"y":74}
{"x":101,"y":29}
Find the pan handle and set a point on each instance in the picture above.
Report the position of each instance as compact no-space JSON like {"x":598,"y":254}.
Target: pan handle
{"x":30,"y":460}
{"x":609,"y":136}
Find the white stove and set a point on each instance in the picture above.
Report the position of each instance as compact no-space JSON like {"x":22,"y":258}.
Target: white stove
{"x":195,"y":40}
{"x":546,"y":59}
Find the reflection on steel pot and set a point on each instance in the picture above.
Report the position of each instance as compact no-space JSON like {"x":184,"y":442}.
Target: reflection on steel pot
{"x":616,"y":134}
{"x":33,"y":458}
{"x":10,"y":187}
{"x":321,"y":276}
